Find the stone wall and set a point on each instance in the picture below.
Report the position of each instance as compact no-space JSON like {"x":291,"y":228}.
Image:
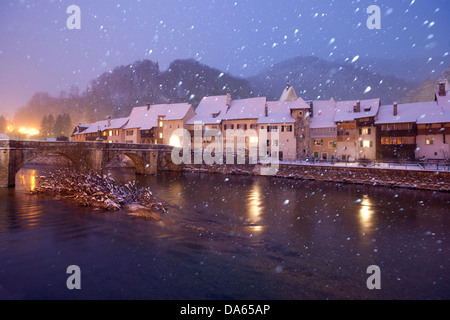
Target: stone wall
{"x":414,"y":179}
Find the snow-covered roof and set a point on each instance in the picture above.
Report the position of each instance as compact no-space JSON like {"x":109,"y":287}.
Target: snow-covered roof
{"x":145,"y":118}
{"x":103,"y":125}
{"x":345,"y":110}
{"x":208,"y":107}
{"x":436,"y":114}
{"x":288,"y":94}
{"x":279,"y":112}
{"x":323,"y":114}
{"x":4,"y":136}
{"x":252,"y":108}
{"x":276,"y":117}
{"x":418,"y":112}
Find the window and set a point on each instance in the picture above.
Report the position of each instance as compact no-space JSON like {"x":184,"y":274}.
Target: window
{"x":332,"y":144}
{"x":398,"y":140}
{"x":286,"y":128}
{"x":160,"y":135}
{"x":397,"y":126}
{"x":272,"y":128}
{"x":129,"y":133}
{"x":253,"y":140}
{"x":318,"y":142}
{"x":429,"y":141}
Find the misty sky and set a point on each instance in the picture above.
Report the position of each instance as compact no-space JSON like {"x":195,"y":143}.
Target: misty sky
{"x":39,"y":53}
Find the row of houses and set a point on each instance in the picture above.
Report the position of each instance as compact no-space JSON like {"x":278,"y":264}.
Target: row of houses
{"x":321,"y":129}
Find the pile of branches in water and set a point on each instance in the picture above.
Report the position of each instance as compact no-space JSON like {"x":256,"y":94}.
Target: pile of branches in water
{"x":100,"y":191}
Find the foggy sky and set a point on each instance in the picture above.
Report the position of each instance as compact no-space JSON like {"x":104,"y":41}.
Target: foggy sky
{"x":39,"y":53}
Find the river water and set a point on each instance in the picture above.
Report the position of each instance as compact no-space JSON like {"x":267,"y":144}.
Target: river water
{"x":228,"y":237}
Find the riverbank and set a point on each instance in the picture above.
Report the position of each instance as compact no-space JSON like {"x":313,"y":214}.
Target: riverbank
{"x":391,"y":178}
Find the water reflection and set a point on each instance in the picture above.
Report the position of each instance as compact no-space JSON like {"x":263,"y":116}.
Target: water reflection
{"x":28,"y":210}
{"x":254,"y":207}
{"x":26,"y":179}
{"x":366,"y":214}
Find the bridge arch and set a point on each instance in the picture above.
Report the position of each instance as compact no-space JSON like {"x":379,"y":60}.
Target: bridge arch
{"x":143,"y":160}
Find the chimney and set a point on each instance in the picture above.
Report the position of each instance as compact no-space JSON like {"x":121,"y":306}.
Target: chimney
{"x":358,"y":106}
{"x":395,"y":109}
{"x":442,"y":89}
{"x":266,"y":110}
{"x":109,"y":121}
{"x":148,"y":106}
{"x":228,"y":100}
{"x":169,"y":101}
{"x":311,"y":107}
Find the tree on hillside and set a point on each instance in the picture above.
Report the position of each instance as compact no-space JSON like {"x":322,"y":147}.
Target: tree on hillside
{"x":63,"y":126}
{"x":47,"y":125}
{"x":3,"y":124}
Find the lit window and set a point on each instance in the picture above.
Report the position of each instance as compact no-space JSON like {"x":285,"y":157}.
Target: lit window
{"x":366,"y":144}
{"x":253,"y":139}
{"x":175,"y":141}
{"x":429,"y":141}
{"x":160,"y":135}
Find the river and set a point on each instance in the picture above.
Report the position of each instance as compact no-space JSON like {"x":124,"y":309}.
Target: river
{"x":228,"y":237}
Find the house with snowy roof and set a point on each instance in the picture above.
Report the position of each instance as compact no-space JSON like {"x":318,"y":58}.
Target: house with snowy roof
{"x":279,"y":118}
{"x":109,"y":130}
{"x":323,"y":129}
{"x":155,"y":124}
{"x":397,"y":130}
{"x":356,"y":134}
{"x":208,"y":118}
{"x":415,"y":130}
{"x":433,"y":127}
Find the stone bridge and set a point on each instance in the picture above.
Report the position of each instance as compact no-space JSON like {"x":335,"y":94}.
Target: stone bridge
{"x":14,"y":154}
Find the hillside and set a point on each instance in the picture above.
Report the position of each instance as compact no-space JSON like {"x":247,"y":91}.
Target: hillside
{"x":315,"y":78}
